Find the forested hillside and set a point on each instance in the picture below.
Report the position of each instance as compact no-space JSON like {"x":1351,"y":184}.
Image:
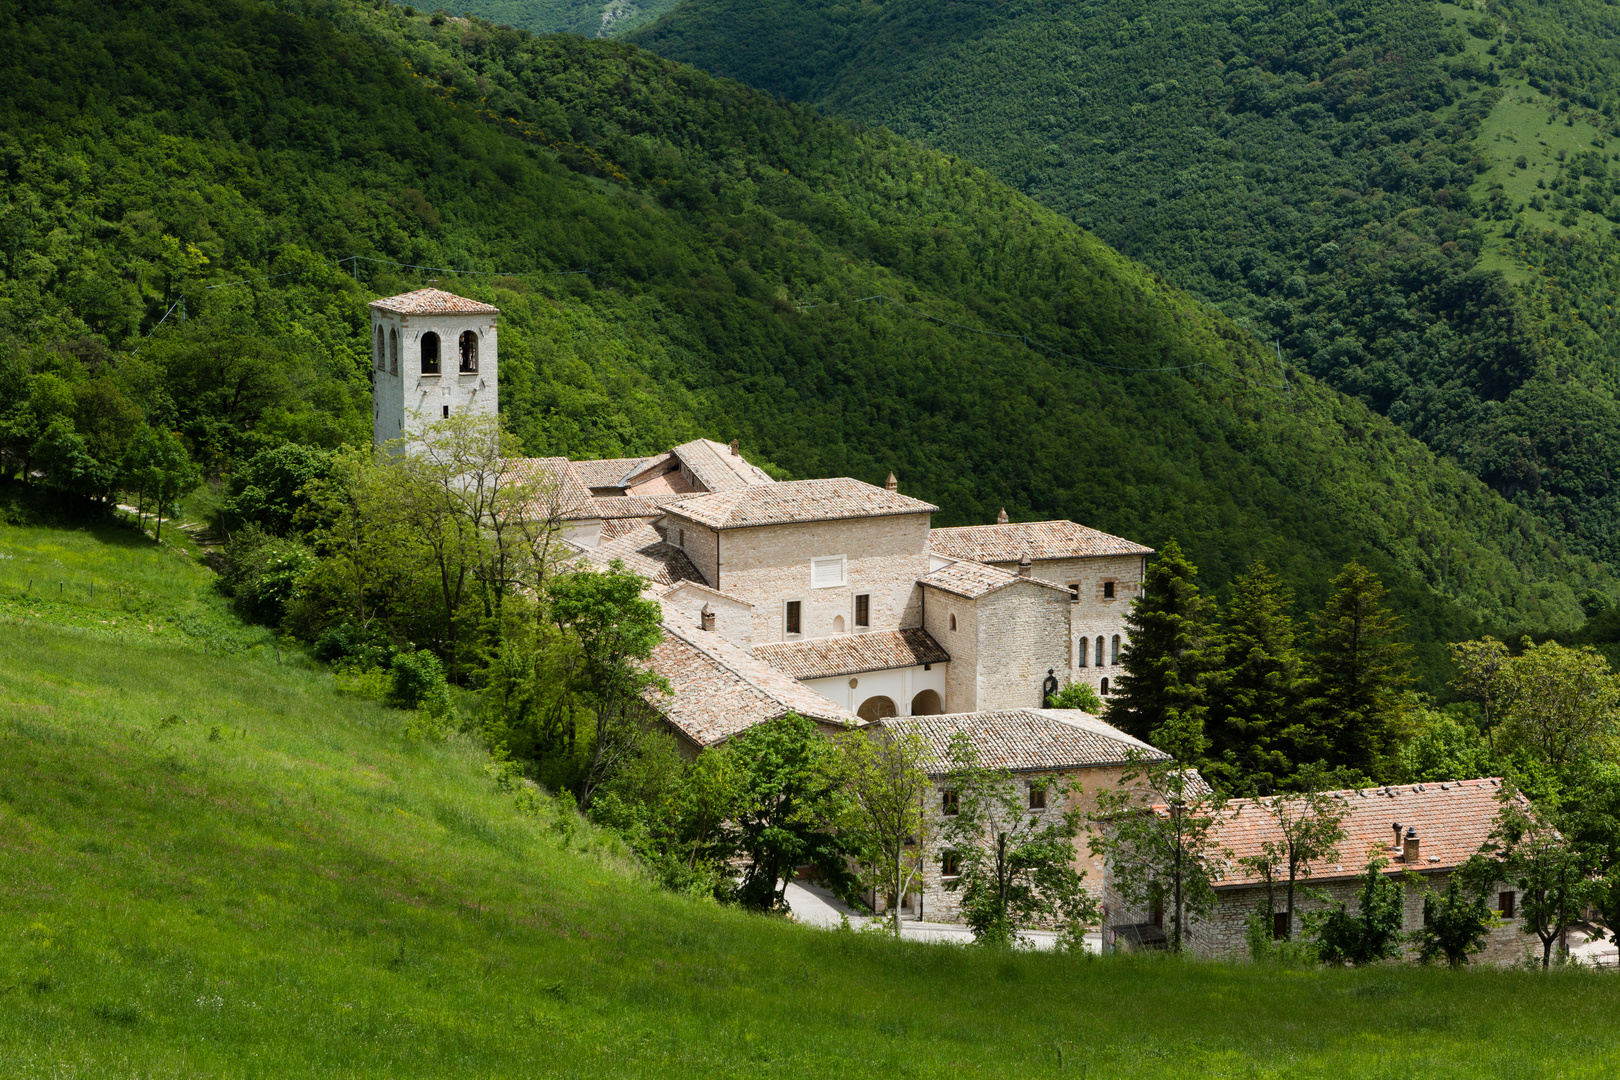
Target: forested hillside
{"x":1415,"y":201}
{"x":588,"y":18}
{"x":183,"y":176}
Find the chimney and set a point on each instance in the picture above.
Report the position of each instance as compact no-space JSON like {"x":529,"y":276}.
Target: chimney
{"x":892,"y":483}
{"x":706,"y":617}
{"x":1397,"y":836}
{"x":1025,"y":567}
{"x":1001,"y":518}
{"x":736,"y":448}
{"x":1409,"y":850}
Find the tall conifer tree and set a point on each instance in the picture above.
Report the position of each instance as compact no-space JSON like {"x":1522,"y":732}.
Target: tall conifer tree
{"x":1256,"y":689}
{"x":1160,"y":697}
{"x":1361,"y":668}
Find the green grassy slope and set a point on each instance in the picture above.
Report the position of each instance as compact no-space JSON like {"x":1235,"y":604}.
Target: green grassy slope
{"x":214,"y":866}
{"x":715,"y":220}
{"x":1342,"y":177}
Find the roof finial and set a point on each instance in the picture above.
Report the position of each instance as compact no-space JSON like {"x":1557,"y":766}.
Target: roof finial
{"x":1001,"y":518}
{"x":892,"y":483}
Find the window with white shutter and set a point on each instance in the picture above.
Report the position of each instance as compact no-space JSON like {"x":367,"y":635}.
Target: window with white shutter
{"x":825,"y":573}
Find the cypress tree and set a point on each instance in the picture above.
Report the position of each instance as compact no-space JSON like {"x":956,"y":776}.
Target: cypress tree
{"x":1361,"y":668}
{"x":1256,"y":690}
{"x":1160,"y":697}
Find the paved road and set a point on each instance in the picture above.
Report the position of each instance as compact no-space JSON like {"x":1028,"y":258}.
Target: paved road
{"x":815,"y":906}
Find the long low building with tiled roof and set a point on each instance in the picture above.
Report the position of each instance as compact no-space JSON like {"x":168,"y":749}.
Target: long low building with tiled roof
{"x":1420,"y":833}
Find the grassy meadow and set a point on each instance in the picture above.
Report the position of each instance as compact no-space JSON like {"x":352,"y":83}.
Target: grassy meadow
{"x":214,"y":865}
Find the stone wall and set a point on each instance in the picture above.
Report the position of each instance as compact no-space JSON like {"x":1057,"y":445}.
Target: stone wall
{"x":1224,"y":935}
{"x":962,"y":678}
{"x":770,"y":565}
{"x":1023,"y":630}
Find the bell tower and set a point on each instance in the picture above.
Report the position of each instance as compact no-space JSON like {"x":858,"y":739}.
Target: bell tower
{"x":433,"y":355}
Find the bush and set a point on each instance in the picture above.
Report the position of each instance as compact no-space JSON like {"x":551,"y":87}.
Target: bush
{"x":418,"y":683}
{"x":355,"y":648}
{"x":263,"y":573}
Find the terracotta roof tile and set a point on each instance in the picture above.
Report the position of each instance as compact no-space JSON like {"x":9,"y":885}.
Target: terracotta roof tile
{"x":1037,"y":539}
{"x":630,"y":506}
{"x":607,"y":472}
{"x":973,"y":580}
{"x":720,"y":689}
{"x":717,"y":468}
{"x":796,"y":501}
{"x":644,"y":551}
{"x":1452,"y":819}
{"x":433,"y":302}
{"x":1027,"y":740}
{"x":558,"y":487}
{"x":851,"y":654}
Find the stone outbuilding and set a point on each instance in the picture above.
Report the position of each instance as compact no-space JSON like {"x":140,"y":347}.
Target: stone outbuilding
{"x":1426,"y":829}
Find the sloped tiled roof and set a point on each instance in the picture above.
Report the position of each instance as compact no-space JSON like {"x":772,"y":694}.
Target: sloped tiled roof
{"x":433,"y":302}
{"x":797,"y":501}
{"x":1037,"y":539}
{"x":644,"y":551}
{"x":720,"y":689}
{"x":558,"y":487}
{"x":607,"y":472}
{"x":717,"y":468}
{"x":851,"y":654}
{"x":1452,"y":819}
{"x":973,"y":580}
{"x":1027,"y":740}
{"x":629,"y":506}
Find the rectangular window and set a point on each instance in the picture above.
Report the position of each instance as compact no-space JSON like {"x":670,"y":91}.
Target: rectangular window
{"x":863,"y":610}
{"x":1279,"y":925}
{"x":1037,"y":797}
{"x":793,"y":623}
{"x":1074,"y":592}
{"x":680,"y":539}
{"x":1108,"y":590}
{"x":950,"y":864}
{"x":1504,"y":905}
{"x":825,"y":573}
{"x":947,"y":802}
{"x":447,"y":412}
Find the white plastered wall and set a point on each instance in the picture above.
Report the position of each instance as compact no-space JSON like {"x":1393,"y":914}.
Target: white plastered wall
{"x":899,"y":685}
{"x":404,"y":400}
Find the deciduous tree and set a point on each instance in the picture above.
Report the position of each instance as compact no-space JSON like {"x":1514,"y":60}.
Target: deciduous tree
{"x":885,"y":774}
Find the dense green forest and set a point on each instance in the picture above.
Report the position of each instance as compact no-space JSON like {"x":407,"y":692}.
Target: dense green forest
{"x":1416,"y":202}
{"x":589,"y":18}
{"x":182,"y":179}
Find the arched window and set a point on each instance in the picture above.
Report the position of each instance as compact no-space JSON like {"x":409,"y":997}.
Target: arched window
{"x":1105,"y":687}
{"x":393,"y":351}
{"x":430,"y":353}
{"x":1099,"y":652}
{"x":469,"y":351}
{"x":953,"y":622}
{"x":381,"y":357}
{"x":1115,"y":659}
{"x":1085,"y":650}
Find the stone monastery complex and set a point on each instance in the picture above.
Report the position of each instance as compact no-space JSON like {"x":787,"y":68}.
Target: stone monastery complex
{"x":833,"y":598}
{"x":838,"y":600}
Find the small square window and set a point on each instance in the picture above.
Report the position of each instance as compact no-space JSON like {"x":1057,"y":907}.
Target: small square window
{"x":1074,"y":592}
{"x":1037,"y":797}
{"x":863,"y":610}
{"x":1504,"y":905}
{"x":948,"y":802}
{"x":793,"y":622}
{"x":1108,"y":590}
{"x":950,"y":864}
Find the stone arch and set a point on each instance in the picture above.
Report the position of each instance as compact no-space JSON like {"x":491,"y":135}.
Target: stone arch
{"x":927,"y":703}
{"x":877,"y":708}
{"x":380,"y":359}
{"x":430,"y":353}
{"x":467,"y":346}
{"x":1105,"y":687}
{"x":393,"y":351}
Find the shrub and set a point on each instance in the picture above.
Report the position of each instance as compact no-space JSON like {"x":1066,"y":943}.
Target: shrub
{"x":418,"y":683}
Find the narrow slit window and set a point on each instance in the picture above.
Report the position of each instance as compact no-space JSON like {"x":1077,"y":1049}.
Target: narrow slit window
{"x":447,"y":412}
{"x":1100,"y":652}
{"x":793,"y":623}
{"x":863,"y":610}
{"x":953,"y":621}
{"x":1114,"y":658}
{"x":382,"y":352}
{"x":393,"y":351}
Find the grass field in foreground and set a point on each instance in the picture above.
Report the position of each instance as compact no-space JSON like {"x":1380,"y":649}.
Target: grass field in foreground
{"x":213,"y":865}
